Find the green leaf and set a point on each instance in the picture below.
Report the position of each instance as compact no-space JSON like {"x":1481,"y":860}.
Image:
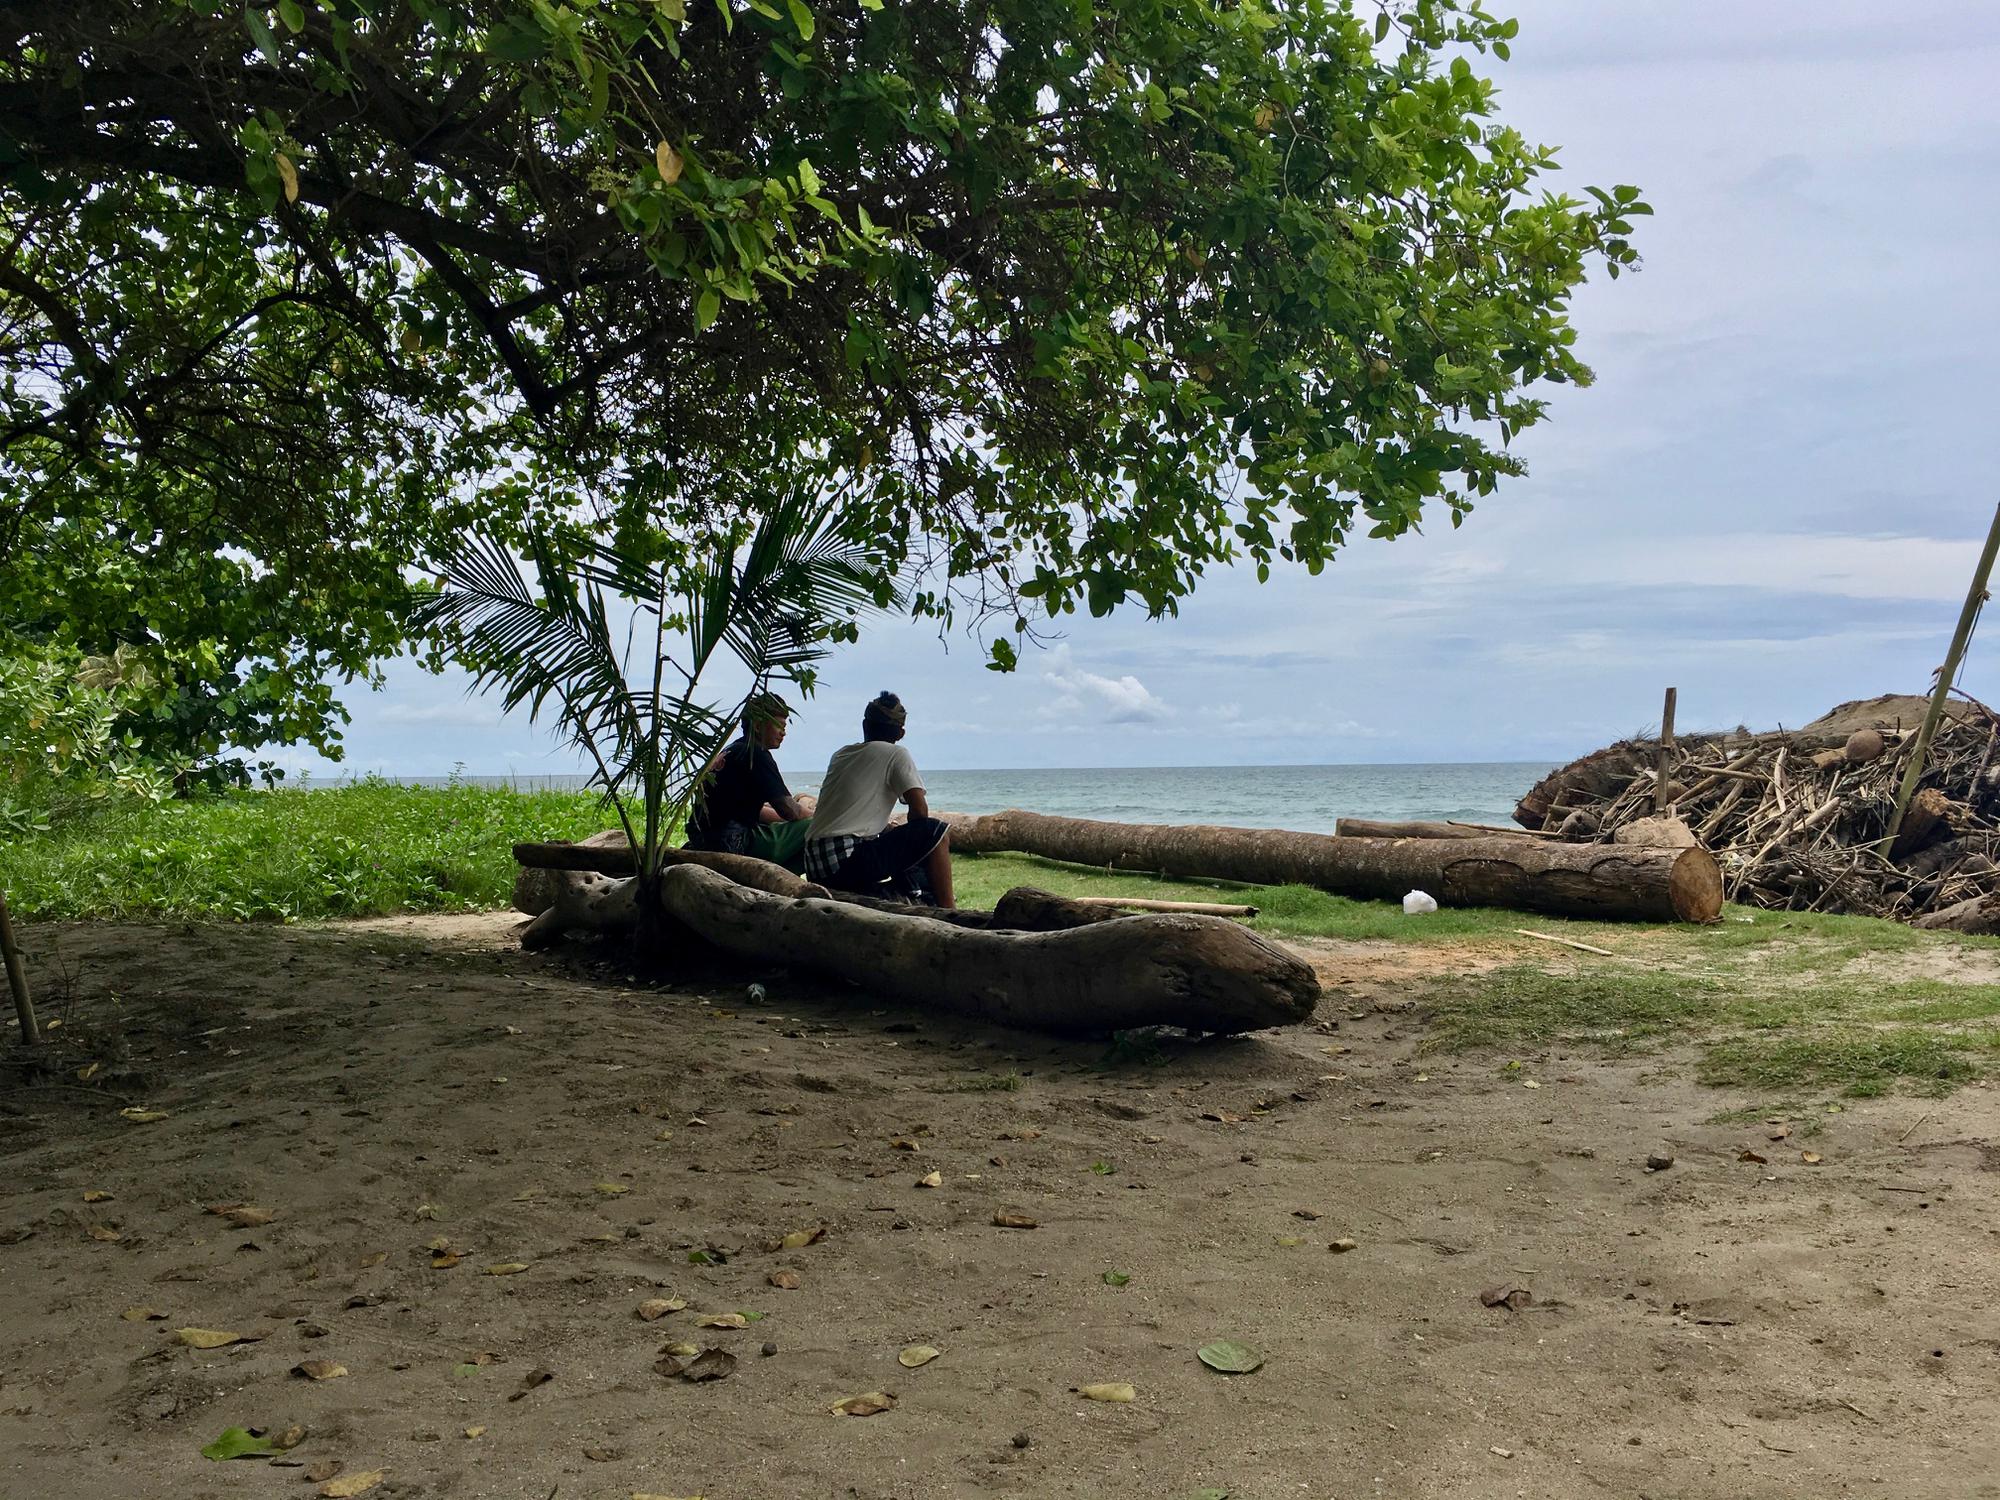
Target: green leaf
{"x":465,"y":1369}
{"x":1116,"y":1278}
{"x":1230,"y":1357}
{"x":293,"y":15}
{"x":707,"y":307}
{"x":802,"y":17}
{"x":260,"y":33}
{"x":1102,"y":1168}
{"x":1002,"y":657}
{"x":237,"y":1442}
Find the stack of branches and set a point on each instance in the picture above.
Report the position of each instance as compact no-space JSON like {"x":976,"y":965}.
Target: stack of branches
{"x":1798,"y":818}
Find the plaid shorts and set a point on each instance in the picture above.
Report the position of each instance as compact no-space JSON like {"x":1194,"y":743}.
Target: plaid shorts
{"x":824,"y":857}
{"x":894,"y":857}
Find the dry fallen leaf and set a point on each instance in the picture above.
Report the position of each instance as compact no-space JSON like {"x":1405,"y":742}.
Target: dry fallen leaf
{"x":142,"y":1315}
{"x":902,"y":1143}
{"x":612,"y":1189}
{"x":1515,"y":1297}
{"x":529,"y":1381}
{"x":798,"y":1239}
{"x":507,"y":1268}
{"x":249,"y":1216}
{"x":289,"y":1439}
{"x":445,"y":1261}
{"x":655,"y":1308}
{"x":668,"y":161}
{"x":1746,"y":1154}
{"x":916,"y":1356}
{"x":1289,"y":1241}
{"x":104,"y":1233}
{"x":473,"y":1432}
{"x":931,"y":1180}
{"x":319,"y":1369}
{"x":324,"y":1470}
{"x":1811,"y":1158}
{"x":785,"y":1281}
{"x":603,"y":1455}
{"x":1780,"y":1133}
{"x":437,"y":1245}
{"x":527,"y":1194}
{"x":96,"y":1195}
{"x":864,"y":1405}
{"x":425,"y":1211}
{"x":1306,"y":1213}
{"x":1020,"y":1135}
{"x":1112,"y":1390}
{"x":1342,"y":1246}
{"x":213,"y":1338}
{"x":143,"y":1116}
{"x":369,"y":1262}
{"x":722,"y":1320}
{"x":348,"y":1485}
{"x":1004,"y":1220}
{"x":680,"y":1349}
{"x":710,"y":1364}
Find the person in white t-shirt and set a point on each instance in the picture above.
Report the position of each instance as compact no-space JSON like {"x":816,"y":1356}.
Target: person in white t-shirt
{"x":850,"y":846}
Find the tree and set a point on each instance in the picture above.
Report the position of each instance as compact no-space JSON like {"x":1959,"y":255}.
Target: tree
{"x":775,"y":600}
{"x":1069,"y":302}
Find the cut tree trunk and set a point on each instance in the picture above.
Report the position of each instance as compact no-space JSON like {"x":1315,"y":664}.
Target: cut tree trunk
{"x":1372,"y":828}
{"x":1599,"y":881}
{"x":1979,"y":915}
{"x":1201,"y":973}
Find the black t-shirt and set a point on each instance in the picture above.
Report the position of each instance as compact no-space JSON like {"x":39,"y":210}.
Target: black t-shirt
{"x":746,"y":779}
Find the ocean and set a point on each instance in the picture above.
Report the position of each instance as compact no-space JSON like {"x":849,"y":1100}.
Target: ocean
{"x":1305,"y":798}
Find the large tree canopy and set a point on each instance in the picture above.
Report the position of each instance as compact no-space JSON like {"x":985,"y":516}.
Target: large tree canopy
{"x":1070,"y":298}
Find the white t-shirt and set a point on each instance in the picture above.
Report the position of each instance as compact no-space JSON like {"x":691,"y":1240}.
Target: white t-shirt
{"x":863,"y":784}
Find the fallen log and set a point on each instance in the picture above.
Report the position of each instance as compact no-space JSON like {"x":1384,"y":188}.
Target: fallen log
{"x":1373,"y":828}
{"x":1579,"y":880}
{"x":609,"y":854}
{"x":1201,"y":973}
{"x":1111,"y":973}
{"x":1980,"y":914}
{"x":1192,"y":908}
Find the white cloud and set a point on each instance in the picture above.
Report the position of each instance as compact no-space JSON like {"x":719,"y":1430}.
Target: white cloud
{"x":1088,"y":696}
{"x":461,"y":714}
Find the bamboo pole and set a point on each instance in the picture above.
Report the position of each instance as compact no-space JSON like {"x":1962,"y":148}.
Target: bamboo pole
{"x":1662,"y":770}
{"x":1947,"y":674}
{"x":1189,"y":908}
{"x":17,"y":979}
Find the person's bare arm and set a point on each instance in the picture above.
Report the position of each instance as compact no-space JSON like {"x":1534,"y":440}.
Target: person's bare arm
{"x":920,"y":805}
{"x":788,"y":810}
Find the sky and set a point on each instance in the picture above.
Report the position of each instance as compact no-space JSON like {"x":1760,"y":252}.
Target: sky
{"x":1772,"y":498}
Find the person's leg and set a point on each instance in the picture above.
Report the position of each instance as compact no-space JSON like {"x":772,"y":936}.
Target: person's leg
{"x":937,"y":864}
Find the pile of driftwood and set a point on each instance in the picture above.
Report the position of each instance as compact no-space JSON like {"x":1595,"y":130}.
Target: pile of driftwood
{"x":1799,"y":819}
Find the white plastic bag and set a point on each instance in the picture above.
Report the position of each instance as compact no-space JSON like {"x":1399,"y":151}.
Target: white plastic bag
{"x":1417,"y":903}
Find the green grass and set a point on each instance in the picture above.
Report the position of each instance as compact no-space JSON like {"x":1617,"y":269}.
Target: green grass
{"x":1780,"y":1004}
{"x":366,"y":849}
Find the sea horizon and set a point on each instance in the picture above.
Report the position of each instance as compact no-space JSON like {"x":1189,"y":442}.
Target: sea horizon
{"x":1306,"y":796}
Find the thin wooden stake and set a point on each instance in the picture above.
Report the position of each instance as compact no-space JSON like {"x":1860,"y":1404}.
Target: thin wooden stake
{"x":1666,"y":753}
{"x":1947,"y":675}
{"x":1193,"y":908}
{"x":1543,"y":937}
{"x":17,"y":979}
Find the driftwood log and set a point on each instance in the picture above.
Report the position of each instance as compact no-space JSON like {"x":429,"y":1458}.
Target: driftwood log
{"x":1596,"y":881}
{"x":1376,"y":828}
{"x":1100,"y":973}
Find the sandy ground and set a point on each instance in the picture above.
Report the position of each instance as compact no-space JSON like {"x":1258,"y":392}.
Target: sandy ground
{"x":1725,"y":1327}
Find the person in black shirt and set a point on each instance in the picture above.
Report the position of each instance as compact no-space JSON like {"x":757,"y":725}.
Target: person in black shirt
{"x":740,"y":783}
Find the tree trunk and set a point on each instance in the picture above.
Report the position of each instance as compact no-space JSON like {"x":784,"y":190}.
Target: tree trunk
{"x":1371,"y":828}
{"x":608,"y":853}
{"x":1597,"y":881}
{"x":1979,"y":915}
{"x":1202,"y":973}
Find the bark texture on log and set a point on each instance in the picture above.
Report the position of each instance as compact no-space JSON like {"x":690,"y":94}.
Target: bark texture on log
{"x":1608,"y":882}
{"x":1979,"y":915}
{"x":1656,"y":833}
{"x":1202,"y":973}
{"x":608,"y":854}
{"x":1374,"y":828}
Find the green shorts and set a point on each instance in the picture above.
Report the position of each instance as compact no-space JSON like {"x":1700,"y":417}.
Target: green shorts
{"x":782,"y":844}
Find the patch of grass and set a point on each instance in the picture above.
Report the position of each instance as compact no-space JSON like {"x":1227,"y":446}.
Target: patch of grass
{"x":983,"y":1083}
{"x":366,"y":849}
{"x":1524,"y":1005}
{"x":1859,"y":1061}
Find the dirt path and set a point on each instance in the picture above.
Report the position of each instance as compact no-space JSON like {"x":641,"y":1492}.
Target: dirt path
{"x":1723,"y":1328}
